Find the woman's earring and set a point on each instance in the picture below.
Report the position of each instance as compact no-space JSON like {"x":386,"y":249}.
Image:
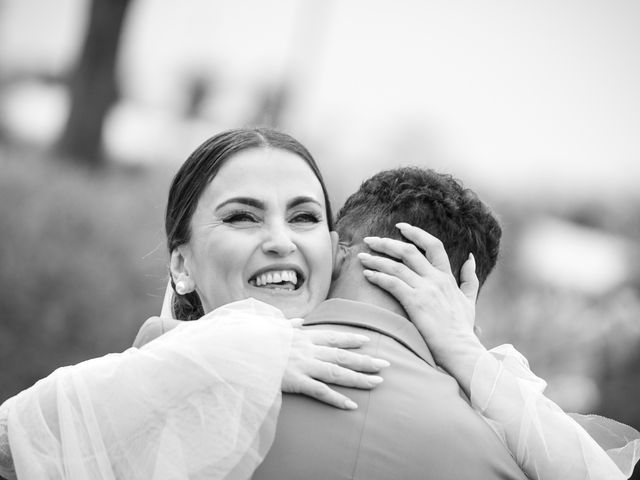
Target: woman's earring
{"x":181,"y":287}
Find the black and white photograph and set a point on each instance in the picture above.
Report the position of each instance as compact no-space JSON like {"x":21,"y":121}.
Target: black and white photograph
{"x":319,"y":239}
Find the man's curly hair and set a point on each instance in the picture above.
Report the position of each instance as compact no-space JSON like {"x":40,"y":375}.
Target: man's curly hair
{"x":435,"y":202}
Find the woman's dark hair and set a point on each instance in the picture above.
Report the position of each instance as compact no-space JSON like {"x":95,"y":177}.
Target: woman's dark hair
{"x":197,"y":172}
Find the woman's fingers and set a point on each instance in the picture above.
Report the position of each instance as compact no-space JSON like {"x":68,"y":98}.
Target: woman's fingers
{"x":337,"y":375}
{"x":390,"y":267}
{"x":403,"y":251}
{"x":330,"y":338}
{"x":316,"y":360}
{"x":320,"y":391}
{"x":396,"y":287}
{"x":296,"y":322}
{"x":351,"y":360}
{"x":469,"y":283}
{"x":432,"y":246}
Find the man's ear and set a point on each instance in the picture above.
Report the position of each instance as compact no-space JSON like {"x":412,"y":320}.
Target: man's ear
{"x":180,"y":273}
{"x":339,"y":254}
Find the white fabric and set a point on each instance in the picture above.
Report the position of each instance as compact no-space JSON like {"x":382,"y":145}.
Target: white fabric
{"x":199,"y":402}
{"x":167,"y":302}
{"x":547,"y":443}
{"x":6,"y":462}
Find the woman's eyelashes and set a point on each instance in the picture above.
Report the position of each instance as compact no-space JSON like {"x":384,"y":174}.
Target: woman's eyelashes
{"x":248,"y":218}
{"x":240,"y":217}
{"x":309,"y":217}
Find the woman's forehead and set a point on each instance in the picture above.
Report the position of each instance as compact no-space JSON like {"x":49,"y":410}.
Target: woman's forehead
{"x":264,"y":173}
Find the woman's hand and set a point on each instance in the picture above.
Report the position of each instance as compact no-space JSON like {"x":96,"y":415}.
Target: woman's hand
{"x":319,"y":357}
{"x":443,"y":312}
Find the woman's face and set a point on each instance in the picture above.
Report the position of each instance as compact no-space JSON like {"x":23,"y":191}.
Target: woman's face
{"x":260,"y":230}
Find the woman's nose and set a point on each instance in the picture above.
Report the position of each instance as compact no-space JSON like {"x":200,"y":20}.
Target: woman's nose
{"x":278,"y":241}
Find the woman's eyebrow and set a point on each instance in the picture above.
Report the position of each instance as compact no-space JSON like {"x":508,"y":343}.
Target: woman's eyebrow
{"x":252,"y":202}
{"x":294,"y":202}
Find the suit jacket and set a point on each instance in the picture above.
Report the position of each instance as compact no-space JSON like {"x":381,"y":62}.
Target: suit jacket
{"x":417,"y":424}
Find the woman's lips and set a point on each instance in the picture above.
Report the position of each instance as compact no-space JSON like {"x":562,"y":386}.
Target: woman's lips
{"x":283,"y":279}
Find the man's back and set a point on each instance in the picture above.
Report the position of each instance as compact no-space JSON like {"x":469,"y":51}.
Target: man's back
{"x":417,"y":424}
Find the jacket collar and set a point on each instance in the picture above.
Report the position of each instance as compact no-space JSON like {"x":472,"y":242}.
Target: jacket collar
{"x":338,"y":311}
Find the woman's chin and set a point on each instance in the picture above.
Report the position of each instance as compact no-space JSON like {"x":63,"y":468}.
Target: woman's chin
{"x":293,"y":304}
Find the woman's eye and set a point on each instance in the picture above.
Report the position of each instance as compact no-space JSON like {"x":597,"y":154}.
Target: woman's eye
{"x":305,"y":217}
{"x":240,"y":217}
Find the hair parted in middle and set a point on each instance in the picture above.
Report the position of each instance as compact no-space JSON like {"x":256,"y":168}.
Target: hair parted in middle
{"x":433,"y":201}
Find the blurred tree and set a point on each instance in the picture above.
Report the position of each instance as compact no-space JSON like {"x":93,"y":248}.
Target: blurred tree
{"x":199,"y":88}
{"x":271,"y":106}
{"x":93,"y":84}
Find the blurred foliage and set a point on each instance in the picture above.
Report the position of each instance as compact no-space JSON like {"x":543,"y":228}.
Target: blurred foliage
{"x":587,"y":347}
{"x":82,"y":262}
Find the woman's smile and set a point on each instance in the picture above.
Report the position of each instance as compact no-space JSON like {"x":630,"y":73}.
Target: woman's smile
{"x":278,"y":277}
{"x":260,"y":230}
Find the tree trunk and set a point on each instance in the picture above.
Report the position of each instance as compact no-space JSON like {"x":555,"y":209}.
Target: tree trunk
{"x":93,"y":88}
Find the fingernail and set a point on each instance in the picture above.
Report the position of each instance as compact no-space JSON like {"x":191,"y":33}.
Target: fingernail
{"x":362,"y":338}
{"x":402,"y":225}
{"x":376,"y":380}
{"x":380,"y":363}
{"x":364,"y":255}
{"x":367,"y":273}
{"x":370,"y":239}
{"x":350,"y":405}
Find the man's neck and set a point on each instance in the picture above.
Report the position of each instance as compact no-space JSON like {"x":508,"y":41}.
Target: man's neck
{"x":351,"y":284}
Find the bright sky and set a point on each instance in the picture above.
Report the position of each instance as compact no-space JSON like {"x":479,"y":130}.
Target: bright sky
{"x":517,"y":96}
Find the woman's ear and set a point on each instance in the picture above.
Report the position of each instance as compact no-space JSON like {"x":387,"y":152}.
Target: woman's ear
{"x":180,"y":273}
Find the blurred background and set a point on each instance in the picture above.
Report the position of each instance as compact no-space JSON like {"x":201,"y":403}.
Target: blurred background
{"x":535,"y":105}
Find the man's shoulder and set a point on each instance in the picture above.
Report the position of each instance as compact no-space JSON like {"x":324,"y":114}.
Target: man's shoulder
{"x":340,"y":309}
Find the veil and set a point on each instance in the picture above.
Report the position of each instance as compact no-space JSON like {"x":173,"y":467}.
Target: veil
{"x":167,"y":302}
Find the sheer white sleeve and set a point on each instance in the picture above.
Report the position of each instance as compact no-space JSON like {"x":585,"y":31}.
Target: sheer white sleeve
{"x":547,"y":443}
{"x":6,"y":461}
{"x":198,"y":402}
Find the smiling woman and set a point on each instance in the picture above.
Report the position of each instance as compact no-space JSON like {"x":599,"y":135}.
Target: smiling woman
{"x":247,"y":203}
{"x":247,"y":216}
{"x":260,"y":229}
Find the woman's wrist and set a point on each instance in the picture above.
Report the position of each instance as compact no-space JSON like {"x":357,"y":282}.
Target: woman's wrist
{"x":458,"y":355}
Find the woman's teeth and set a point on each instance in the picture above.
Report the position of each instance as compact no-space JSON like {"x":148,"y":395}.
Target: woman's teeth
{"x":287,"y":279}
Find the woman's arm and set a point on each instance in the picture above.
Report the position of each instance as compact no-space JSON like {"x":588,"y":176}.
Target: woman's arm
{"x":544,"y":439}
{"x":546,"y":442}
{"x":318,"y":358}
{"x":202,"y":398}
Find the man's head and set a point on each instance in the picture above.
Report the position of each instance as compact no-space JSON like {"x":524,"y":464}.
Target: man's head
{"x":436,"y":203}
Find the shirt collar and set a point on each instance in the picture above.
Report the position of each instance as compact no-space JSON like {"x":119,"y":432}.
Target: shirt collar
{"x":338,"y":311}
